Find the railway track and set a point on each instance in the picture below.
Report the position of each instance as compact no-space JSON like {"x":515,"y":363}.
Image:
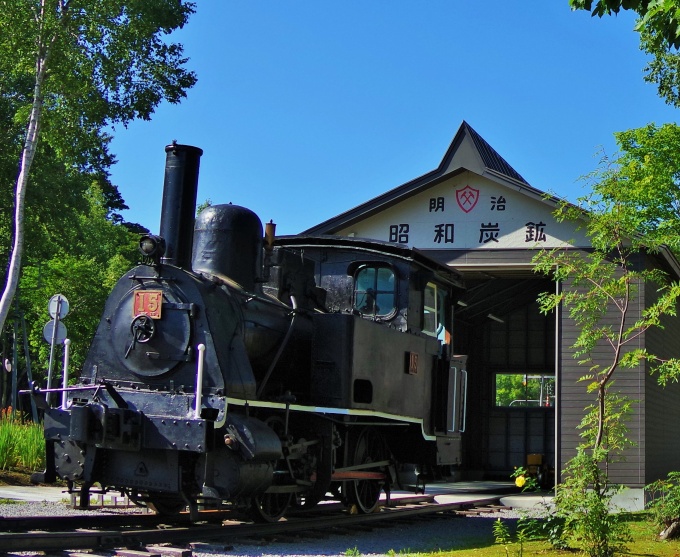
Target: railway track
{"x":139,"y":531}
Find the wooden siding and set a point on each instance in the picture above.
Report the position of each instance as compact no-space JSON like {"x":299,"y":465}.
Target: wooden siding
{"x":574,"y":398}
{"x":661,"y":404}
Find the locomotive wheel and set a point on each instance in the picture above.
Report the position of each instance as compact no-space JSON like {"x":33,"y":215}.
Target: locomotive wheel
{"x":270,"y":507}
{"x":365,"y":494}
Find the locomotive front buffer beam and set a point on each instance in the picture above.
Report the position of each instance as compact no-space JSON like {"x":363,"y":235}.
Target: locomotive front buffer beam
{"x":127,"y":430}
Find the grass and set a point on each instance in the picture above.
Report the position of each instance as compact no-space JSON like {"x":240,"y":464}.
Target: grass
{"x":22,"y":445}
{"x":645,"y":544}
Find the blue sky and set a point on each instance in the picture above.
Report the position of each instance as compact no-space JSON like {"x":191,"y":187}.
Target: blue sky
{"x":307,"y":108}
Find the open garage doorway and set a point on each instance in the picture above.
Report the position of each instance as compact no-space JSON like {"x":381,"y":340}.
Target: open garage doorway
{"x":512,"y":375}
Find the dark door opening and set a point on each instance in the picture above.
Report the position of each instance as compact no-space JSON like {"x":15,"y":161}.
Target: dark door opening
{"x":511,"y":368}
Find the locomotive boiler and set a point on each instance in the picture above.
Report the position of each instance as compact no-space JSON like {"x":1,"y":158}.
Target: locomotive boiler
{"x":231,"y":367}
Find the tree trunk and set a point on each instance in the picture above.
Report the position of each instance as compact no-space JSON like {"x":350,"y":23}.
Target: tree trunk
{"x":27,"y":155}
{"x":671,"y":532}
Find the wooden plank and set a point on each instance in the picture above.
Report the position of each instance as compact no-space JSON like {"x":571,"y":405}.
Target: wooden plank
{"x":170,"y":551}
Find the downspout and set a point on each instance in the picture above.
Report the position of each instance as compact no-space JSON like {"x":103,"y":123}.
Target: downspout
{"x":558,"y":394}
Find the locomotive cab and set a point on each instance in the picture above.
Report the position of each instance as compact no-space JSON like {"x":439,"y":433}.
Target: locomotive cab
{"x":378,"y":281}
{"x":389,"y":311}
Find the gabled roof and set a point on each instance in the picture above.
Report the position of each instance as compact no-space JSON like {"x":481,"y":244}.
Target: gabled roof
{"x":492,"y":160}
{"x":468,"y":152}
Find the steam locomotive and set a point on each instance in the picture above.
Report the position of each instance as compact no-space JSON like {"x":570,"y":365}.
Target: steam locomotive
{"x":231,"y":367}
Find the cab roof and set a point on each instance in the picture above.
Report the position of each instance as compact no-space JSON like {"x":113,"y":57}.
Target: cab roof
{"x":399,"y":251}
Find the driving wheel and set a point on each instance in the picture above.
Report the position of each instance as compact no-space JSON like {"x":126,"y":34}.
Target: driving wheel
{"x":368,"y":447}
{"x":270,"y":507}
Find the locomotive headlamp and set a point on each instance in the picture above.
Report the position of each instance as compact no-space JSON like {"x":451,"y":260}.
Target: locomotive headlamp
{"x":152,"y":246}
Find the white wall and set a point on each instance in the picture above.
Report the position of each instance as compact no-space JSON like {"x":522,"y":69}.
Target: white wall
{"x":469,"y":211}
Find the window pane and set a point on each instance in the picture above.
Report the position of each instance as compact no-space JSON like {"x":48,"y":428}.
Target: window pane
{"x":429,"y":299}
{"x":385,"y":280}
{"x":430,"y":324}
{"x":385,"y":302}
{"x":442,"y":305}
{"x":374,"y":291}
{"x":432,"y":318}
{"x":517,"y":390}
{"x":365,"y":279}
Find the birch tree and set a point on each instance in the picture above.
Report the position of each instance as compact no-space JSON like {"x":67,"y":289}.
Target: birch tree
{"x":92,"y":64}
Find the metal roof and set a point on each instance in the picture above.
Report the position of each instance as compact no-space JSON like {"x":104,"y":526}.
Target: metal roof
{"x":492,"y":160}
{"x":455,"y":161}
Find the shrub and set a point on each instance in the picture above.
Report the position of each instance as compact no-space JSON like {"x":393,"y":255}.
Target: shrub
{"x":665,"y":504}
{"x":583,"y":501}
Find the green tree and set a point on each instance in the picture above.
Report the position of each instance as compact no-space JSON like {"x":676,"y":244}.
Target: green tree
{"x":509,"y":387}
{"x":659,"y":28}
{"x":663,"y":68}
{"x":92,"y":254}
{"x":522,"y":389}
{"x":631,"y":212}
{"x":62,"y":218}
{"x":643,"y":186}
{"x":90,"y":64}
{"x":660,"y":16}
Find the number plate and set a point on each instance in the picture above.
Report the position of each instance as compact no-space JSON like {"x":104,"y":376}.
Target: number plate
{"x":148,"y":302}
{"x":412,"y":363}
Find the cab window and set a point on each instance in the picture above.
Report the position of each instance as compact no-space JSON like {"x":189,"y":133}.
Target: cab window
{"x":374,"y":291}
{"x":435,"y":303}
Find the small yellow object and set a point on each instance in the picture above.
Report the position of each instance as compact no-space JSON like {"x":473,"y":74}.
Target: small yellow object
{"x":520,"y":481}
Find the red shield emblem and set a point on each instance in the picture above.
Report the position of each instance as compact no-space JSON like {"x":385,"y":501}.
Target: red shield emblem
{"x":467,"y":198}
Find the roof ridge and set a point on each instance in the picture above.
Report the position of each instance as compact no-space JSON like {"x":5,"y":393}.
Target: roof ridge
{"x":490,"y":157}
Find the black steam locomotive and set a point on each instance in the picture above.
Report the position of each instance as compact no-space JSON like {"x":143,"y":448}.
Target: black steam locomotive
{"x":235,"y":368}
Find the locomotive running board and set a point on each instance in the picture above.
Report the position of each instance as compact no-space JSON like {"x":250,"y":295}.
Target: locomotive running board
{"x":332,"y":411}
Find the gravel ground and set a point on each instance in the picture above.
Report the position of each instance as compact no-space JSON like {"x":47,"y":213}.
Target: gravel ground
{"x":422,"y":536}
{"x":441,"y":533}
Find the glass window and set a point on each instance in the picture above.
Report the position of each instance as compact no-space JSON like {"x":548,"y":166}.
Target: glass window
{"x":374,"y":291}
{"x":435,"y":301}
{"x":522,"y":390}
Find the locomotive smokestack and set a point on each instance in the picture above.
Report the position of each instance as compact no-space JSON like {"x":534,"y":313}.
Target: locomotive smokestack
{"x":179,"y":203}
